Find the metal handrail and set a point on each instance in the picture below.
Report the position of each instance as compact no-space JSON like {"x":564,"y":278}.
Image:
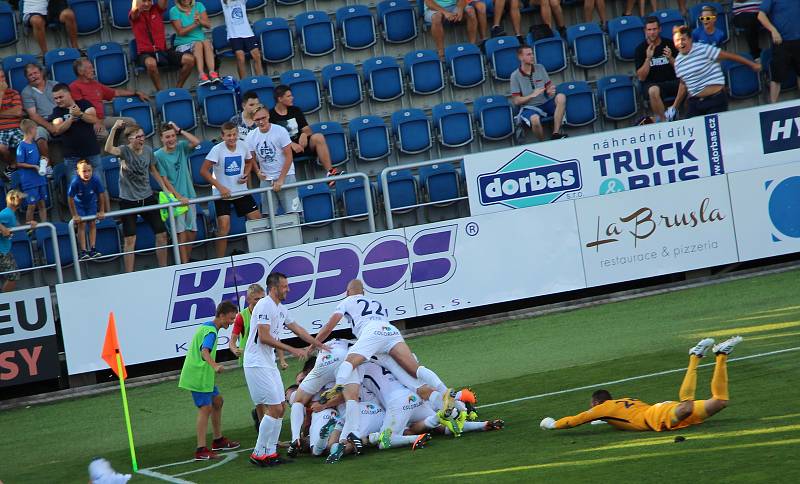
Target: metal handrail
{"x":194,"y":201}
{"x":56,"y":252}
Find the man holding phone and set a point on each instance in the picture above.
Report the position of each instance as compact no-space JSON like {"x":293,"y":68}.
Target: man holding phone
{"x":655,"y":59}
{"x":535,"y":93}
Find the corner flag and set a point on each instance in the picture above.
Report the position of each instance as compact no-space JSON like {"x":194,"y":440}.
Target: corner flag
{"x":111,"y":349}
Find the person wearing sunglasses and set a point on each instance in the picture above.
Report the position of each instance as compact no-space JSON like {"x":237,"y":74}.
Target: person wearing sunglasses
{"x":707,"y":32}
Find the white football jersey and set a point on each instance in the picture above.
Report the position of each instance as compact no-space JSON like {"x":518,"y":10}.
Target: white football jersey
{"x":381,"y":382}
{"x":256,"y":353}
{"x":360,"y":310}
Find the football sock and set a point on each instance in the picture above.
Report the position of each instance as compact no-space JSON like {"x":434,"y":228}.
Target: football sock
{"x":272,"y":444}
{"x":297,"y":416}
{"x":430,"y":378}
{"x":432,"y":422}
{"x":343,"y":373}
{"x":401,"y":440}
{"x":689,"y":380}
{"x":264,"y":431}
{"x":352,"y":412}
{"x":319,"y":446}
{"x":474,"y":426}
{"x":719,"y":382}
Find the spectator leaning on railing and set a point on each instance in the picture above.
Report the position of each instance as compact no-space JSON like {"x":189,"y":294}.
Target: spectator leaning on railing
{"x":86,"y":197}
{"x":8,"y":220}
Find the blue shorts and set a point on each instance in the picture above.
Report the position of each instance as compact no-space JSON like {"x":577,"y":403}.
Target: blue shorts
{"x":545,"y":110}
{"x":244,"y":44}
{"x":202,"y":399}
{"x":34,"y":195}
{"x":86,"y":209}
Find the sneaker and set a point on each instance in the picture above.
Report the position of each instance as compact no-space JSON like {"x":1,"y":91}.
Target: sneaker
{"x":275,"y":460}
{"x":84,"y":255}
{"x":467,"y":396}
{"x":334,"y":172}
{"x":726,"y":347}
{"x":385,"y":439}
{"x":204,"y":454}
{"x":497,"y":31}
{"x":671,"y":113}
{"x":259,"y":460}
{"x":94,"y":253}
{"x":358,"y":446}
{"x":336,"y":454}
{"x":700,"y":349}
{"x":496,"y":424}
{"x":223,"y":443}
{"x":214,"y":76}
{"x":329,"y":394}
{"x":326,"y":429}
{"x":421,"y":441}
{"x":203,"y":80}
{"x":559,"y":135}
{"x":294,"y":449}
{"x":453,"y":421}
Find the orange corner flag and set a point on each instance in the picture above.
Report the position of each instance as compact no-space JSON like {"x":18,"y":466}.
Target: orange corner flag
{"x":111,"y":349}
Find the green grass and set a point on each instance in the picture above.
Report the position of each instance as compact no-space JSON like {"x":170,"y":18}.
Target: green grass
{"x":755,"y":439}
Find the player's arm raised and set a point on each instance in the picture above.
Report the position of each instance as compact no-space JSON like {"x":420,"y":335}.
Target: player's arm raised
{"x":266,"y":338}
{"x":328,"y":328}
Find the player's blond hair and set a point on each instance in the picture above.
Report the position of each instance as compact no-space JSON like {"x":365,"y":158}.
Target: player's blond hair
{"x":254,"y":289}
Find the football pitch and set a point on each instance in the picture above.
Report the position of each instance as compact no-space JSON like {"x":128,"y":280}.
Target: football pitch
{"x":521,"y":371}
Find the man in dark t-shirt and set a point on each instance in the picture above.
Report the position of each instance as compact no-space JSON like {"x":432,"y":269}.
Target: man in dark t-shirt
{"x":74,"y":123}
{"x":654,"y":67}
{"x":304,"y":141}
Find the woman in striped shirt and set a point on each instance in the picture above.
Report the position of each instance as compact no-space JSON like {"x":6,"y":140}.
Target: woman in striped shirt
{"x":697,"y":66}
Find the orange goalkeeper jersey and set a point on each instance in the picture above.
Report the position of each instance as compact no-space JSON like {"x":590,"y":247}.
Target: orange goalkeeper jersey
{"x":632,"y":414}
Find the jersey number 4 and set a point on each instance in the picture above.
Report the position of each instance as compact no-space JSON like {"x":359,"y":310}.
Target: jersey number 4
{"x":372,"y":307}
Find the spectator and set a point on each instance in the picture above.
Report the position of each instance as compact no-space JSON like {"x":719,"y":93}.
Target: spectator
{"x":244,"y":120}
{"x":551,"y":11}
{"x":532,"y":89}
{"x":241,"y":37}
{"x":74,"y":121}
{"x":173,"y":165}
{"x":37,"y":100}
{"x":227,"y":168}
{"x":151,"y":45}
{"x":513,"y":13}
{"x":87,"y":87}
{"x":653,"y":7}
{"x":589,"y":6}
{"x":32,"y":180}
{"x":189,"y":18}
{"x":10,"y":116}
{"x":8,"y":220}
{"x":136,"y":165}
{"x":707,"y":33}
{"x":271,"y":147}
{"x":483,"y":22}
{"x":304,"y":141}
{"x":38,"y":13}
{"x":654,"y":67}
{"x":745,"y":18}
{"x":782,"y":19}
{"x":439,"y":12}
{"x":697,"y":66}
{"x":87,"y":197}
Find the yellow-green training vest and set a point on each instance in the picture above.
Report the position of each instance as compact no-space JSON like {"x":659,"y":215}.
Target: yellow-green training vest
{"x":245,"y":334}
{"x":197,"y":375}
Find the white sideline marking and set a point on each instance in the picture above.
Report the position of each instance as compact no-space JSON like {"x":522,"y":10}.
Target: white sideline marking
{"x":232,"y":455}
{"x":640,"y":377}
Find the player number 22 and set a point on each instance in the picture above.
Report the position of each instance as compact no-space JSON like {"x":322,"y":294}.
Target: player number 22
{"x":369,"y":308}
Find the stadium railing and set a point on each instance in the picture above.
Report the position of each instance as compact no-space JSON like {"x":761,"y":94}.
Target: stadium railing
{"x":56,"y":252}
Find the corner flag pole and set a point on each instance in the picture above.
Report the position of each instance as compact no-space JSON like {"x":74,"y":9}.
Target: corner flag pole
{"x":127,"y":414}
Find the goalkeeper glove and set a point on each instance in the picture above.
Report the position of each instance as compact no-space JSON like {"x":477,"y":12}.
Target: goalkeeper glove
{"x":548,"y":423}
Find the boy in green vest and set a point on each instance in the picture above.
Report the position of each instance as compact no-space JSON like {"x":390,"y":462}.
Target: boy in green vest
{"x":197,"y":375}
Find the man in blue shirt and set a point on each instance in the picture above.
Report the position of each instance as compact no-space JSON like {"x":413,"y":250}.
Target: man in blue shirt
{"x":708,"y":33}
{"x":780,"y":17}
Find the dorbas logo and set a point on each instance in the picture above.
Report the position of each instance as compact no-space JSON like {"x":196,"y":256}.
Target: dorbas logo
{"x":529,"y":179}
{"x":784,"y":207}
{"x":780,"y":129}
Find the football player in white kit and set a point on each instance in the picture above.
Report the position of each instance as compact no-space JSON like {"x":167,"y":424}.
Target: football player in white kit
{"x":268,"y":321}
{"x":375,"y":336}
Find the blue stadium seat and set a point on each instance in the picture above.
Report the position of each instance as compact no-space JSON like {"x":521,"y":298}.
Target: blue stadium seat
{"x":383,"y":77}
{"x":398,"y":19}
{"x":580,"y":103}
{"x":14,"y":68}
{"x":219,"y":41}
{"x":453,"y":123}
{"x":213,"y":7}
{"x":44,"y":238}
{"x":626,"y":34}
{"x":501,"y":52}
{"x":318,"y":204}
{"x":145,"y":237}
{"x":412,"y":130}
{"x":722,"y":18}
{"x":440,"y":182}
{"x":255,"y":4}
{"x":669,"y":18}
{"x":402,"y":187}
{"x":371,"y":137}
{"x":289,"y":2}
{"x":551,"y":53}
{"x":262,"y":85}
{"x":201,"y":222}
{"x":111,"y":175}
{"x":59,"y":185}
{"x":588,"y":45}
{"x":336,"y":139}
{"x":108,"y":242}
{"x":357,"y":26}
{"x":118,"y":11}
{"x":618,"y":95}
{"x":316,"y":33}
{"x":137,"y":109}
{"x":343,"y":85}
{"x":176,"y":105}
{"x":21,"y":249}
{"x":354,"y":201}
{"x":218,"y":103}
{"x":305,"y":89}
{"x":110,"y":63}
{"x":789,"y":83}
{"x":424,"y":71}
{"x":742,"y":81}
{"x":465,"y":63}
{"x":494,"y":116}
{"x":137,"y":69}
{"x":276,"y":39}
{"x":58,"y":62}
{"x":87,"y":15}
{"x":196,"y":159}
{"x":8,"y":25}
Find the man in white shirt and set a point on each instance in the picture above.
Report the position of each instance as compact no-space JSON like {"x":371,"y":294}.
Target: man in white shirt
{"x":271,"y":147}
{"x":231,"y":162}
{"x":241,"y":37}
{"x":270,"y":319}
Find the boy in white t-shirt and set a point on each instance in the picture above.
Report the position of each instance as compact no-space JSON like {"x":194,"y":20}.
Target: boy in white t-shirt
{"x":241,"y":37}
{"x":271,"y":147}
{"x":227,"y":168}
